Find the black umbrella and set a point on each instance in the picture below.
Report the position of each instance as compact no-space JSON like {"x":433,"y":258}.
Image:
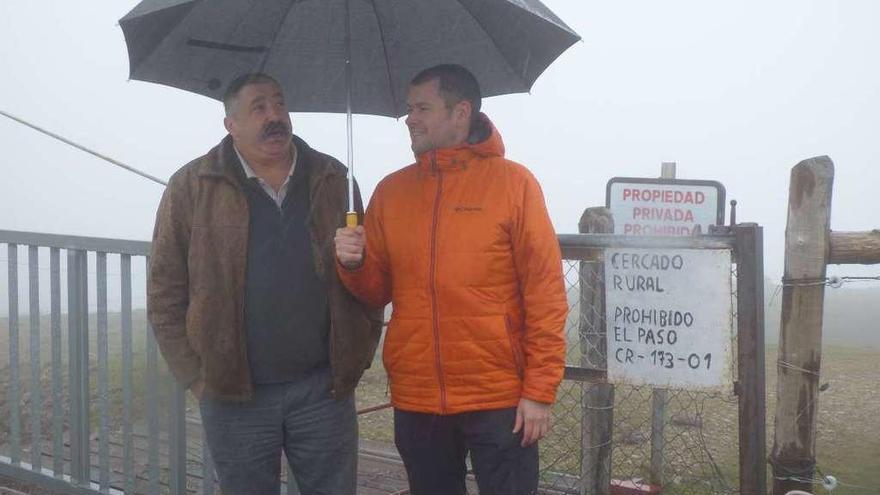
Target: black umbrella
{"x":351,"y":56}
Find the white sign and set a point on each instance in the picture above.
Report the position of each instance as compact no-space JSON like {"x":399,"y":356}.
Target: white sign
{"x":668,"y":317}
{"x":660,"y":207}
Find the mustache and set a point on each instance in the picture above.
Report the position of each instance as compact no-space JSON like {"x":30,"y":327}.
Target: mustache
{"x":275,"y":127}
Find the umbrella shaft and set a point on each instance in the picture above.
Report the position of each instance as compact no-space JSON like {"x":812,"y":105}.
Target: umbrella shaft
{"x":348,"y":105}
{"x":350,"y":163}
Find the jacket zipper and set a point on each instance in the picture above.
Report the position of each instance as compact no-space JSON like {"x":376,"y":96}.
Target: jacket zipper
{"x":433,"y":282}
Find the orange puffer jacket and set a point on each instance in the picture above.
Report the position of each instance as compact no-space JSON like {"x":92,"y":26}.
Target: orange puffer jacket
{"x":461,"y":244}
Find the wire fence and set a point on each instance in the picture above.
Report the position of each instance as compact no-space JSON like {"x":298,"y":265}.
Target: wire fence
{"x":847,"y":448}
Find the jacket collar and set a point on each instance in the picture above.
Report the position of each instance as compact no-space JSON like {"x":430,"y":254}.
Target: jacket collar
{"x":222,"y":162}
{"x":485,"y":141}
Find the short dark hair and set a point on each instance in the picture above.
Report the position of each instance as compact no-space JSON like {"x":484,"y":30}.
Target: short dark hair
{"x":240,"y":82}
{"x":455,"y":84}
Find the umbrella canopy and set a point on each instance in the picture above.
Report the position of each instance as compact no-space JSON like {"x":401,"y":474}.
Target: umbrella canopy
{"x":201,"y":46}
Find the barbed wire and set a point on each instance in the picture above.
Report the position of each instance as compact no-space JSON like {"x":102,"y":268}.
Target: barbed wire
{"x":833,"y":281}
{"x":807,"y":474}
{"x":782,"y":364}
{"x":828,"y":482}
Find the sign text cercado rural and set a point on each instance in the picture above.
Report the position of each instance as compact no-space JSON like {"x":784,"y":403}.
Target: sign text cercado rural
{"x":668,"y":311}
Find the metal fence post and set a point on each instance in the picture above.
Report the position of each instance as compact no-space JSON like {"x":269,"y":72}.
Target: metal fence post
{"x":750,"y":358}
{"x":659,"y":400}
{"x":103,"y":372}
{"x":57,"y":394}
{"x":127,"y":374}
{"x":78,"y":356}
{"x":152,"y":395}
{"x":36,"y":384}
{"x":659,"y":396}
{"x":14,"y":399}
{"x":597,"y":416}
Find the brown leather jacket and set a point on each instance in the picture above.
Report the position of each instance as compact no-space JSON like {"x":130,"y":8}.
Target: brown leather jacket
{"x":195,"y":293}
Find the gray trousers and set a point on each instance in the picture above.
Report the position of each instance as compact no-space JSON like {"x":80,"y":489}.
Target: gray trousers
{"x":317,"y":433}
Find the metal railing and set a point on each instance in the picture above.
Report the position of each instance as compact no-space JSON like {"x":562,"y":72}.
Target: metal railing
{"x":116,"y":382}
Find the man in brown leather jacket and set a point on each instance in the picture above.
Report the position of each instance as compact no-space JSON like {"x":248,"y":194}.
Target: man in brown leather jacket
{"x":247,"y":307}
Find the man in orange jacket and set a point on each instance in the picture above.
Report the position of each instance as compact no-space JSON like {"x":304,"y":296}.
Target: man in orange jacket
{"x":461,"y":244}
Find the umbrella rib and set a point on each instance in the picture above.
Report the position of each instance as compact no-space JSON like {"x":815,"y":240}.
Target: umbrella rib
{"x":385,"y":54}
{"x":501,"y":52}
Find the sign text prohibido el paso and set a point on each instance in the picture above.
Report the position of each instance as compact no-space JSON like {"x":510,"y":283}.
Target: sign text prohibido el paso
{"x":668,"y":311}
{"x":668,"y":317}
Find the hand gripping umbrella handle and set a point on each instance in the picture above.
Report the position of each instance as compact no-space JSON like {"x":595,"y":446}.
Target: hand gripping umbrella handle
{"x":351,"y":219}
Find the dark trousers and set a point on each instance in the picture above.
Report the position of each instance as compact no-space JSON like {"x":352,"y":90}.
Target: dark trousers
{"x":434,"y":448}
{"x":317,"y":432}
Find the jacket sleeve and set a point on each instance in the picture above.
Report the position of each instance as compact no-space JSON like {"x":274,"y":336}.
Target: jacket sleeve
{"x":168,"y":285}
{"x":371,"y":282}
{"x":539,"y":268}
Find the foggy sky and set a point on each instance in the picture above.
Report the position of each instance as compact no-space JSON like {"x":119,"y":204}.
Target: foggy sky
{"x":737,"y":92}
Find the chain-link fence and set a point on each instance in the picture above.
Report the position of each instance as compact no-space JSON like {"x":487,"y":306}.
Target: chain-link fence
{"x":694,"y":434}
{"x":683,"y":440}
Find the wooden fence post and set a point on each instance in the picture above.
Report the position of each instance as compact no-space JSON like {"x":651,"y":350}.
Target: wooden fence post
{"x":800,"y":338}
{"x":597,"y":417}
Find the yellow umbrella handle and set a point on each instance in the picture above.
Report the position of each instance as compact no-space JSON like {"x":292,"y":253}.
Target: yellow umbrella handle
{"x":351,"y":219}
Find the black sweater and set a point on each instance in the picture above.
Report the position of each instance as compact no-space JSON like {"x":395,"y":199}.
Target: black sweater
{"x":286,"y":308}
